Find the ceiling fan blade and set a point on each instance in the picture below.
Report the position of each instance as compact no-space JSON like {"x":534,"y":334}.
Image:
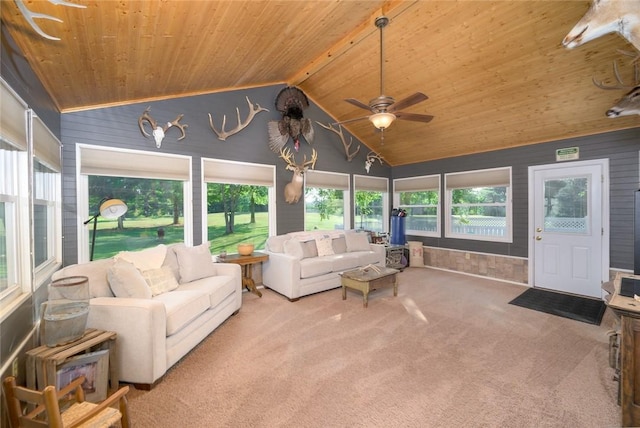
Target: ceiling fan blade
{"x":414,"y":117}
{"x":407,"y":102}
{"x":351,"y":120}
{"x":358,"y":103}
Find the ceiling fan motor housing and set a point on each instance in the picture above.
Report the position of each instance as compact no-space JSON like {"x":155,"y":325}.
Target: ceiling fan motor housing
{"x":381,"y":103}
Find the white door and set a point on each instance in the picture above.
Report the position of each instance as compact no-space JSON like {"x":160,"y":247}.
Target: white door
{"x":567,"y":231}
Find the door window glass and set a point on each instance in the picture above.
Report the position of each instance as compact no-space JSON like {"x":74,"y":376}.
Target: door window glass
{"x":566,"y":207}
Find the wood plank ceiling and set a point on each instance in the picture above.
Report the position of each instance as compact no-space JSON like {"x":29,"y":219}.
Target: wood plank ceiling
{"x":495,"y":71}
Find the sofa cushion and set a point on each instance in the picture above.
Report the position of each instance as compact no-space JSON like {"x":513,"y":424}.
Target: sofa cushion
{"x":182,"y":307}
{"x":315,"y":266}
{"x":339,"y":245}
{"x":325,"y":246}
{"x":195,"y":262}
{"x":309,"y":249}
{"x":96,"y":271}
{"x":127,"y":281}
{"x":357,"y":241}
{"x":150,"y":258}
{"x":293,"y":248}
{"x":217,"y":287}
{"x":345,"y":261}
{"x":160,"y":280}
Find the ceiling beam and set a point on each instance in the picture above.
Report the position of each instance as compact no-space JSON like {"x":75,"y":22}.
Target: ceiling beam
{"x":391,"y":9}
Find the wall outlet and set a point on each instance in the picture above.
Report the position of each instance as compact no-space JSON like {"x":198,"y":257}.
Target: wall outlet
{"x":14,"y":368}
{"x":467,"y":256}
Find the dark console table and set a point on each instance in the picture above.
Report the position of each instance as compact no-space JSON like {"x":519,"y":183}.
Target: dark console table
{"x":628,"y":309}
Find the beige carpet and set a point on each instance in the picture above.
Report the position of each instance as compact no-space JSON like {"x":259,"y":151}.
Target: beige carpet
{"x":449,"y":351}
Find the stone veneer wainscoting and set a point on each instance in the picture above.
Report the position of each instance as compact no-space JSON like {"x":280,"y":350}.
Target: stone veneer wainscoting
{"x":506,"y":268}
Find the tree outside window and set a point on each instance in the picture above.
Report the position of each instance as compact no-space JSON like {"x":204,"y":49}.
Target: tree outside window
{"x":324,"y":208}
{"x":479,"y":211}
{"x":236,"y":214}
{"x":369,"y":215}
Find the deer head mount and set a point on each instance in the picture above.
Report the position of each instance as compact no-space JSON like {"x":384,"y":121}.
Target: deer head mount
{"x":157,"y":131}
{"x":372,"y":157}
{"x":347,"y":146}
{"x":30,"y":16}
{"x":607,"y":16}
{"x":629,"y":104}
{"x":293,"y":190}
{"x":222,"y":134}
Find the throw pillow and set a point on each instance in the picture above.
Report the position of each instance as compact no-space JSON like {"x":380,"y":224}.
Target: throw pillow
{"x":127,"y":281}
{"x":325,"y":247}
{"x":275,"y":244}
{"x":160,"y":280}
{"x":357,"y":241}
{"x":339,"y":245}
{"x":171,"y":260}
{"x":151,"y":258}
{"x":293,"y":247}
{"x":195,"y":262}
{"x":309,"y":249}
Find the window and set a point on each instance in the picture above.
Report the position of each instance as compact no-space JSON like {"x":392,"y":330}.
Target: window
{"x":45,"y":186}
{"x":155,"y":214}
{"x":13,"y":162}
{"x":371,"y":203}
{"x":47,"y":197}
{"x":239,"y":199}
{"x":326,"y":200}
{"x":420,"y":198}
{"x":479,"y":205}
{"x":156,"y":188}
{"x":15,"y":265}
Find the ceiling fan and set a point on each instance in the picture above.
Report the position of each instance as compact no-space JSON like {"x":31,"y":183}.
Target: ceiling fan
{"x":385,"y":109}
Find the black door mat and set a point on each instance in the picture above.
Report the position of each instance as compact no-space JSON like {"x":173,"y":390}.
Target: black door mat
{"x":563,"y":305}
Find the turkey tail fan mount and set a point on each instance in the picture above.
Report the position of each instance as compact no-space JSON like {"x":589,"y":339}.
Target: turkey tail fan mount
{"x":291,"y":102}
{"x":385,"y":109}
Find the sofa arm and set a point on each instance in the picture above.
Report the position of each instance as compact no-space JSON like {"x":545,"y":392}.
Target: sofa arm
{"x":281,"y":273}
{"x":229,"y":269}
{"x":141,"y":328}
{"x":381,"y":253}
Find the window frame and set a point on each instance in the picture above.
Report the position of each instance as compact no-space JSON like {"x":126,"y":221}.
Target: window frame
{"x":328,"y":182}
{"x":420,"y":183}
{"x":234,"y":172}
{"x":483,"y":178}
{"x":82,"y":185}
{"x":369,"y":185}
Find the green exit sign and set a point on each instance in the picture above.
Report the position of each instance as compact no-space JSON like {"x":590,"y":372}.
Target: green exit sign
{"x":570,"y":153}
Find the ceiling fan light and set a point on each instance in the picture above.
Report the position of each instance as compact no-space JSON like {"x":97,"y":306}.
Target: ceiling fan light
{"x":382,"y":120}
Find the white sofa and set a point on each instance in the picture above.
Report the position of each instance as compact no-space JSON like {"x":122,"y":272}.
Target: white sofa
{"x":303,"y":263}
{"x":161,"y":302}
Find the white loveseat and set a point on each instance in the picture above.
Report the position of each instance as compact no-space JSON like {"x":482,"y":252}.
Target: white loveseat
{"x":161,"y":302}
{"x":303,"y":263}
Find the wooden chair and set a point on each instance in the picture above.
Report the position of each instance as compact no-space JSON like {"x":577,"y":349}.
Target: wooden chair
{"x":47,"y":412}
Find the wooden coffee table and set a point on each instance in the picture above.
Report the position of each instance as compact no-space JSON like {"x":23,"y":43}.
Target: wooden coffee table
{"x":247,"y":262}
{"x":367,"y":279}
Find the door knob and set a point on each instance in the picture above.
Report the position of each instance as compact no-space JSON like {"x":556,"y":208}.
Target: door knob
{"x":538,"y":238}
{"x":538,"y":229}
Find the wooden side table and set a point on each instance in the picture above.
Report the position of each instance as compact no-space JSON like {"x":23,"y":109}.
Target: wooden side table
{"x":247,"y":262}
{"x":43,"y":361}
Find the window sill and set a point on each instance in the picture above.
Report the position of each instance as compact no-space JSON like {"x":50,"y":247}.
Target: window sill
{"x":7,"y":308}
